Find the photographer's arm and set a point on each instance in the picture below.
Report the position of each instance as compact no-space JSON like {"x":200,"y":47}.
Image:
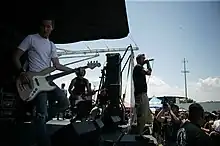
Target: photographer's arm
{"x":176,"y":119}
{"x":160,"y":116}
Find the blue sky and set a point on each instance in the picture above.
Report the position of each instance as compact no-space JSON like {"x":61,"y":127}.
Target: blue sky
{"x":168,"y":32}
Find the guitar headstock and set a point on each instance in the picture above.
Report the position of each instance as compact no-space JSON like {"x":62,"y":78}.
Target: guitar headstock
{"x":93,"y":64}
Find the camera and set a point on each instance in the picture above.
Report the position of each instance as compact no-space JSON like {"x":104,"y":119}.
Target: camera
{"x":165,"y":103}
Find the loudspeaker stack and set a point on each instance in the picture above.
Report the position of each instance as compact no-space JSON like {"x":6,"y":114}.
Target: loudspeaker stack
{"x":113,"y":77}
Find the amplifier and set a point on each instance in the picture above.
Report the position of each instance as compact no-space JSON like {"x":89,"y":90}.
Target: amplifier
{"x":7,"y":113}
{"x":8,"y":103}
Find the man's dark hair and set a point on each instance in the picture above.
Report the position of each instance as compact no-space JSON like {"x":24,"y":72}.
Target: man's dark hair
{"x":62,"y":85}
{"x":80,"y":72}
{"x":46,"y":18}
{"x":139,"y":56}
{"x":195,"y":111}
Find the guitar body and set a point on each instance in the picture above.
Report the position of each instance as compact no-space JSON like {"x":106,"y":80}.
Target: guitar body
{"x":84,"y":97}
{"x":79,"y":99}
{"x":38,"y":83}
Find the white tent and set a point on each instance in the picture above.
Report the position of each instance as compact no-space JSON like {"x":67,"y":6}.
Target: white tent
{"x":155,"y":103}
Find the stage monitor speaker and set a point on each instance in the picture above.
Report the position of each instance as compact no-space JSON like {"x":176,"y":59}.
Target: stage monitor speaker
{"x":137,"y":140}
{"x":131,"y":140}
{"x":111,"y":123}
{"x":99,"y":124}
{"x":79,"y":133}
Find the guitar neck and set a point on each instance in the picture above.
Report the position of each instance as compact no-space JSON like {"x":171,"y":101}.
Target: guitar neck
{"x":58,"y":75}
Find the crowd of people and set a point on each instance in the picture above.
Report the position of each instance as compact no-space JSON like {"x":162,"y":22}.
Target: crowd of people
{"x":194,"y":127}
{"x":171,"y":127}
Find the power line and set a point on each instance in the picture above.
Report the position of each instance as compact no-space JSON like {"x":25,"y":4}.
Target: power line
{"x":185,"y":71}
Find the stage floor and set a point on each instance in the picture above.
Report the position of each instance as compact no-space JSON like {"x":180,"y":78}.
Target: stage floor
{"x":23,"y":134}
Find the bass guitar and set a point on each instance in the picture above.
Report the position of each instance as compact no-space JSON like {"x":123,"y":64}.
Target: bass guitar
{"x":40,"y":81}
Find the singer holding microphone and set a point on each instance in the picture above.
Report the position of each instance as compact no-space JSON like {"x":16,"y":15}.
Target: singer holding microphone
{"x":140,"y":92}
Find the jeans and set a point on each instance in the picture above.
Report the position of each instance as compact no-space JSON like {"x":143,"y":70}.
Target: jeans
{"x":58,"y":102}
{"x":142,"y":112}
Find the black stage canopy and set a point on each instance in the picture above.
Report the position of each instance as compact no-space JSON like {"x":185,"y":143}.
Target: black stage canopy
{"x":75,"y":20}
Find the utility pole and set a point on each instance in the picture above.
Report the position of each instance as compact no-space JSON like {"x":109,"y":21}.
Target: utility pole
{"x":185,"y":79}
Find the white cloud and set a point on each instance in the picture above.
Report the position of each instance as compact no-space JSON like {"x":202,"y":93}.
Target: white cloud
{"x":206,"y":89}
{"x":158,"y":87}
{"x":202,"y":90}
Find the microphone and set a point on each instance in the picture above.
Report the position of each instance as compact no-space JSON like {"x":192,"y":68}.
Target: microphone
{"x":150,"y":59}
{"x":148,"y":64}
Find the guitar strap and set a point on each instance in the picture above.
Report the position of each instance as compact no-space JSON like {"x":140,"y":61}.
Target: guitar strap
{"x":26,"y":64}
{"x":51,"y":51}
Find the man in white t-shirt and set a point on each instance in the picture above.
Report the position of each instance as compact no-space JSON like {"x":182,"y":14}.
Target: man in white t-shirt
{"x":41,"y":52}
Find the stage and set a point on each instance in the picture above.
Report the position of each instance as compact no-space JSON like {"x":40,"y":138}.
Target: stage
{"x":23,"y":134}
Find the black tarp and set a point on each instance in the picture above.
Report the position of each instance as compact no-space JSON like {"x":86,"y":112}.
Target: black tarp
{"x":75,"y":20}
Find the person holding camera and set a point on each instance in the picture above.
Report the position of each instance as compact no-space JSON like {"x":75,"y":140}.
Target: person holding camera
{"x":140,"y":92}
{"x":168,"y":117}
